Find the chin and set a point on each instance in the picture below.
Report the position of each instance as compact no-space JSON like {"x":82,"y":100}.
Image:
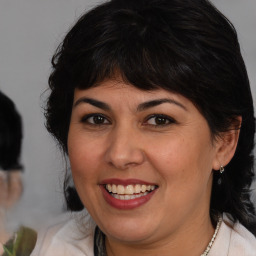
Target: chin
{"x":130,"y":232}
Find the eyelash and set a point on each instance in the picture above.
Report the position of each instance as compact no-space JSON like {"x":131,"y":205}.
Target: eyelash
{"x":165,"y":118}
{"x":106,"y":121}
{"x":86,"y":118}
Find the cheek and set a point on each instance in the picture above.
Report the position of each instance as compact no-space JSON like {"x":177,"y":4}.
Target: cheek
{"x":85,"y":170}
{"x":83,"y":157}
{"x":185,"y":169}
{"x":182,"y":159}
{"x":169,"y":154}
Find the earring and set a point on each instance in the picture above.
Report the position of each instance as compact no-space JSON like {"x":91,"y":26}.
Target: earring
{"x":222,"y":169}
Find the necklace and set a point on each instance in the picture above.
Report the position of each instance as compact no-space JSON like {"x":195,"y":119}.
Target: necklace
{"x":208,"y":248}
{"x":100,"y":249}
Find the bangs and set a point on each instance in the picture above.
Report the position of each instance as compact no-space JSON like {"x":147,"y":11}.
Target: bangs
{"x":135,"y":49}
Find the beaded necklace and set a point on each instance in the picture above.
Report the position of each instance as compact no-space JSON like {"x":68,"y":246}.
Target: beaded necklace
{"x":208,"y":248}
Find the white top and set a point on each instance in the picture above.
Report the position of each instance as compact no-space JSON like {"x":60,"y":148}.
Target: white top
{"x":68,"y":238}
{"x":73,"y":235}
{"x":233,"y":240}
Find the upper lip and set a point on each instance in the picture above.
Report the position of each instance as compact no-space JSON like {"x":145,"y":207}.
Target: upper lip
{"x":125,"y":182}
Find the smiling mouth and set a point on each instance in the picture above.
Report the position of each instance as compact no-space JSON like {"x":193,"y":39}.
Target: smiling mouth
{"x":130,"y":191}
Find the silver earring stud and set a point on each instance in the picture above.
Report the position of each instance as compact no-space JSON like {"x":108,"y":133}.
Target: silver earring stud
{"x":222,"y":169}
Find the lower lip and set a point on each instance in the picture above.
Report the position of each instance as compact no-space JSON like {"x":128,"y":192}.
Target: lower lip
{"x":126,"y":204}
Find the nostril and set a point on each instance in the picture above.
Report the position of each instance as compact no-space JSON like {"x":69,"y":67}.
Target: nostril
{"x":125,"y":160}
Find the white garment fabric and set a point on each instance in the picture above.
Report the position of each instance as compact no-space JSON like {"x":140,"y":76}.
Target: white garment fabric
{"x":73,"y":238}
{"x":73,"y":235}
{"x":233,"y":239}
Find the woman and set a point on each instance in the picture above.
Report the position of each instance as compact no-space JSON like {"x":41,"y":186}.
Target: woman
{"x":150,"y":101}
{"x":10,"y":167}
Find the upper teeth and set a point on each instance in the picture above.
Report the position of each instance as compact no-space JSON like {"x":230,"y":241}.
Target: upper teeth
{"x":129,"y":189}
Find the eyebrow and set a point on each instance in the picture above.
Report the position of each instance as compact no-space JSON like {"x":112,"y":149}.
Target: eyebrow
{"x":154,"y":103}
{"x":93,"y":102}
{"x":141,"y":107}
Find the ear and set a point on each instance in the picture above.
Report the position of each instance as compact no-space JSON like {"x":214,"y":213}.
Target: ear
{"x":226,"y":144}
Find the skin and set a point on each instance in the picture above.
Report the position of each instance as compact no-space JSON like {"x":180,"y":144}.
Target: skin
{"x":10,"y":191}
{"x":177,"y":154}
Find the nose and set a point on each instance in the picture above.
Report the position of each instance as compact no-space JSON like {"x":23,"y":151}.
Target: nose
{"x":124,"y":149}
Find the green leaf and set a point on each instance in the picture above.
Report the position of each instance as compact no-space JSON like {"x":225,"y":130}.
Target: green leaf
{"x":6,"y":251}
{"x":22,"y":244}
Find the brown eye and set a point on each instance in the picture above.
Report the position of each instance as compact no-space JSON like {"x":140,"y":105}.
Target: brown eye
{"x":98,"y":119}
{"x":95,"y":119}
{"x":160,"y":120}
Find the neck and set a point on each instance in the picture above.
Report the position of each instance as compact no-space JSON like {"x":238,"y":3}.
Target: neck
{"x":191,"y":240}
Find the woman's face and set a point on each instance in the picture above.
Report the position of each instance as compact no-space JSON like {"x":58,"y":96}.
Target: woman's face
{"x":141,"y":161}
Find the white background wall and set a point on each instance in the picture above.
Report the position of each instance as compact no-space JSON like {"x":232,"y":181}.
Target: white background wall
{"x":29,"y":33}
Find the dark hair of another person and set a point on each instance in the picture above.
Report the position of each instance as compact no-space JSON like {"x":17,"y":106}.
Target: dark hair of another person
{"x":187,"y":47}
{"x":10,"y":135}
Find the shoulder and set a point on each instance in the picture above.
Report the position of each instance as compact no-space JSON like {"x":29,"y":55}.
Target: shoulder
{"x":68,"y":236}
{"x":242,"y":240}
{"x":233,"y":239}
